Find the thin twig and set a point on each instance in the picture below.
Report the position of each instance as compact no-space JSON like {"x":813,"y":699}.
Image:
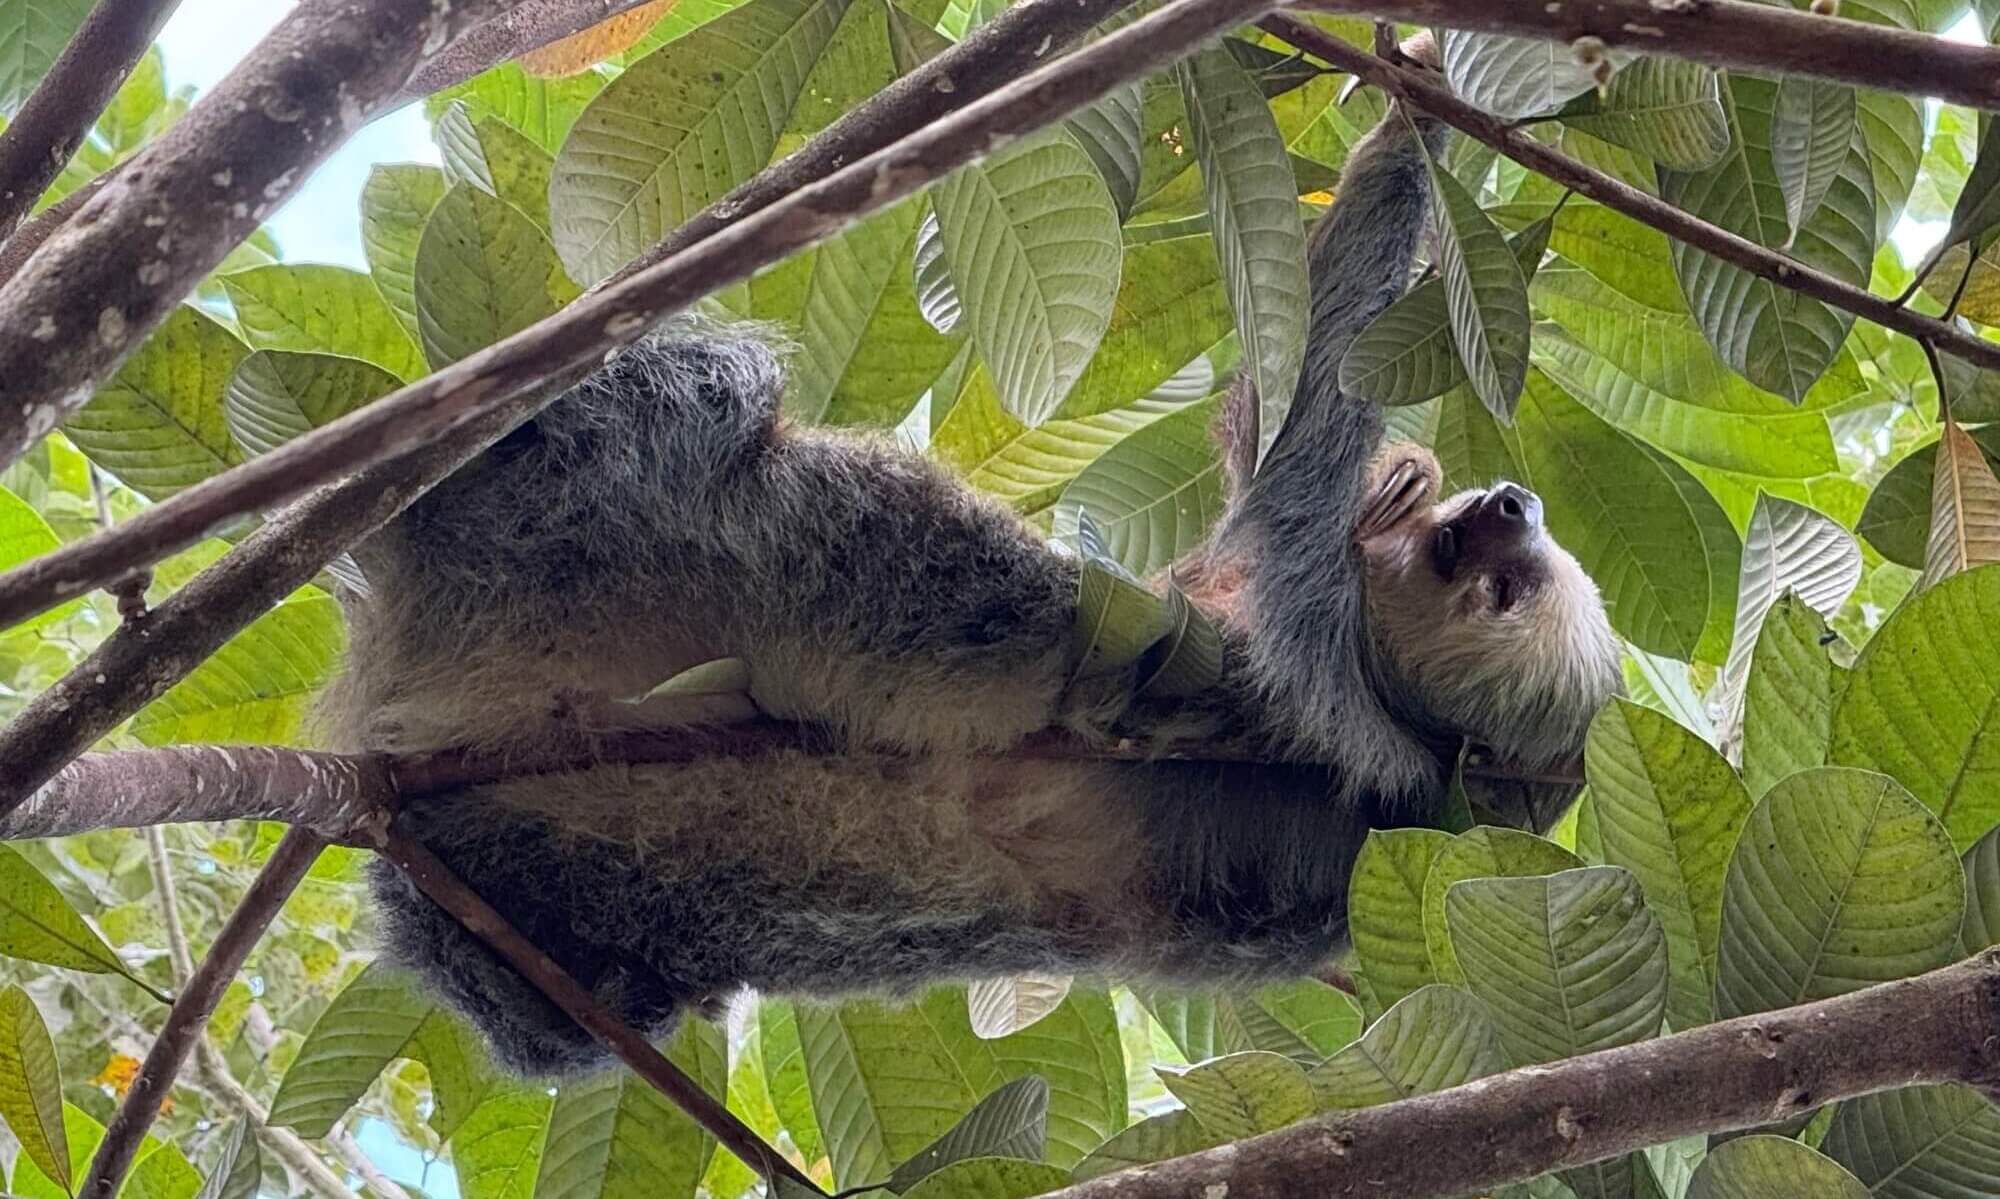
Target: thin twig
{"x":450,"y":893}
{"x":1433,"y":97}
{"x":1766,"y":38}
{"x":44,"y":135}
{"x":282,"y":872}
{"x":1941,"y":1027}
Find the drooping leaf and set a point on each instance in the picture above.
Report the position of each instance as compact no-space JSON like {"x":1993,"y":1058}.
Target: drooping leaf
{"x":1109,"y":132}
{"x":1117,"y":618}
{"x":1437,"y":1037}
{"x":1771,"y":1167}
{"x":1840,"y":880}
{"x":1487,"y":851}
{"x":483,"y":272}
{"x":1668,"y":809}
{"x":277,"y":395}
{"x":1978,"y":208}
{"x":1486,"y":294}
{"x":1242,"y":1094}
{"x":1154,"y":494}
{"x":368,"y":1025}
{"x":999,"y":1007}
{"x":1514,"y":77}
{"x":1190,"y":654}
{"x":680,"y":127}
{"x":239,"y":1171}
{"x":1011,"y":1122}
{"x":1919,"y":1143}
{"x":1965,"y":508}
{"x":1668,"y":109}
{"x":937,"y":295}
{"x":31,"y":1085}
{"x":158,"y":424}
{"x":1812,"y":132}
{"x":1788,"y":695}
{"x":1034,"y":226}
{"x":1982,"y":894}
{"x":1254,"y":214}
{"x":1898,"y":516}
{"x":38,"y":925}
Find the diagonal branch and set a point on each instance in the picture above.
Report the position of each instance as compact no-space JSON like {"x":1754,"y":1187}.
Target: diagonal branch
{"x":108,"y":277}
{"x":42,"y":137}
{"x":1941,"y":1027}
{"x":1433,"y":97}
{"x":1769,"y":38}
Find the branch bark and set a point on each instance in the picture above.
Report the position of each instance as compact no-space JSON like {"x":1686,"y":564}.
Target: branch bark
{"x":1726,"y":33}
{"x":109,"y":276}
{"x":1433,"y":97}
{"x":287,"y":865}
{"x":1942,"y":1027}
{"x":449,"y":892}
{"x":44,"y":135}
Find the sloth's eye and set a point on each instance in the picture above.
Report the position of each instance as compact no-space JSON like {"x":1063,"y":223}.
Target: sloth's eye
{"x":1503,"y":593}
{"x":1444,"y":549}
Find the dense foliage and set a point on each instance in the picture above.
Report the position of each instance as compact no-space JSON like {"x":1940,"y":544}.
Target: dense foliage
{"x":1801,"y":797}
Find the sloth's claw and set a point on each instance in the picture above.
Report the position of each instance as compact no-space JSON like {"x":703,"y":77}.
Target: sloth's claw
{"x":1396,"y":494}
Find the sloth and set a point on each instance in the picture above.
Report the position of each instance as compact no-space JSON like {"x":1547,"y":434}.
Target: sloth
{"x":663,"y":514}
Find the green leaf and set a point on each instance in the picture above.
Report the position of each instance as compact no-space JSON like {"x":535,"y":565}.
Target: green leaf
{"x":164,"y":1173}
{"x":1978,"y":207}
{"x":498,"y":160}
{"x":1668,"y":109}
{"x":31,"y":1085}
{"x":1919,"y":1143}
{"x":541,"y":109}
{"x":680,"y":127}
{"x":1982,"y":894}
{"x":990,"y":1178}
{"x":1567,"y":964}
{"x":158,"y":424}
{"x":1514,"y":77}
{"x":1487,"y":851}
{"x":34,"y":33}
{"x":1789,"y":695}
{"x":1109,"y":132}
{"x":1154,"y":494}
{"x":372,"y":1022}
{"x":1892,"y":128}
{"x":1035,"y":227}
{"x":1254,"y":215}
{"x":256,"y":687}
{"x":1435,"y":1038}
{"x":38,"y":925}
{"x":460,"y":1072}
{"x":1011,"y":1122}
{"x":1406,"y":354}
{"x":1779,"y":339}
{"x":240,"y":1170}
{"x":1771,"y":1167}
{"x":1171,"y":307}
{"x":483,"y":272}
{"x":613,"y":1136}
{"x":785,"y":1074}
{"x":1486,"y":293}
{"x":1668,"y":809}
{"x":1897,"y":519}
{"x":1242,"y":1094}
{"x":1303,"y":1020}
{"x":1385,"y":911}
{"x":498,"y":1151}
{"x":395,"y":203}
{"x":1190,"y":656}
{"x":1944,"y":645}
{"x":1117,"y":618}
{"x":869,"y":354}
{"x":1154,"y":1139}
{"x":276,"y":395}
{"x":1812,"y":134}
{"x":1840,"y":880}
{"x":327,"y":309}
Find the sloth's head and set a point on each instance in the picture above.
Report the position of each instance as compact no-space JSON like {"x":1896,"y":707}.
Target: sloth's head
{"x":1489,"y":624}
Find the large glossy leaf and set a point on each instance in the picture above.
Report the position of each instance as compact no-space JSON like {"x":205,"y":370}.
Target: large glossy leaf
{"x":484,"y":272}
{"x":785,"y":1073}
{"x":276,"y":395}
{"x":1109,"y":131}
{"x":1942,"y":645}
{"x":1487,"y":851}
{"x":38,"y":925}
{"x":1668,"y":809}
{"x":1254,"y":214}
{"x":1771,"y":1167}
{"x":1788,"y":695}
{"x":1812,"y":134}
{"x":1242,"y":1094}
{"x":1781,"y":340}
{"x":34,"y":33}
{"x":493,"y":157}
{"x":1385,"y":910}
{"x":1154,"y":1139}
{"x":256,"y":687}
{"x":1978,"y":208}
{"x":31,"y":1085}
{"x":1304,"y":1020}
{"x":1787,"y":548}
{"x":1154,"y":494}
{"x":158,"y":424}
{"x":1514,"y":77}
{"x":543,"y":109}
{"x":1013,"y":1122}
{"x":612,"y":1136}
{"x":679,"y":128}
{"x":328,"y":309}
{"x":1919,"y":1143}
{"x":1437,"y":1037}
{"x":395,"y":203}
{"x":1567,"y":963}
{"x":1840,"y":880}
{"x":369,"y":1024}
{"x":1485,"y":292}
{"x":1965,"y":508}
{"x":498,"y":1152}
{"x":1171,"y":307}
{"x":1982,"y":894}
{"x":1034,"y":227}
{"x":1668,"y":109}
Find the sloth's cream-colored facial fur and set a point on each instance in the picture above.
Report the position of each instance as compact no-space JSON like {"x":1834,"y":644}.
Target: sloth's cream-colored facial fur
{"x":1481,"y":612}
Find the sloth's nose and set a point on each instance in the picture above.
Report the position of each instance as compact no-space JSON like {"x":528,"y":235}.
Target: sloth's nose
{"x":1514,"y":507}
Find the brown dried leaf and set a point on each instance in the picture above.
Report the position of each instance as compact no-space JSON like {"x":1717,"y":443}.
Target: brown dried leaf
{"x":1965,"y":508}
{"x":587,"y":47}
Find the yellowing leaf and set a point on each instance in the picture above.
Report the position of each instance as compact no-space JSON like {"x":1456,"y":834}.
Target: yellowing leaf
{"x":587,"y":47}
{"x":1965,"y":508}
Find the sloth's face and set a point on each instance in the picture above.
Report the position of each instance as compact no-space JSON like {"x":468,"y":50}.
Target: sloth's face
{"x":1496,"y":630}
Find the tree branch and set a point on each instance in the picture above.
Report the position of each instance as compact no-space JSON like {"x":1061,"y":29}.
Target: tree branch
{"x":192,"y":1008}
{"x":107,"y":278}
{"x":44,"y":135}
{"x":1433,"y":97}
{"x":1726,"y":33}
{"x":450,"y":893}
{"x":1942,"y":1027}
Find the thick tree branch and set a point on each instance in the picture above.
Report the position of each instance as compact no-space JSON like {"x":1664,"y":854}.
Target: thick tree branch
{"x":112,"y":273}
{"x":450,"y":893}
{"x":1942,"y":1027}
{"x":491,"y":391}
{"x":1769,"y":38}
{"x":1433,"y":97}
{"x":287,"y":864}
{"x":44,"y":135}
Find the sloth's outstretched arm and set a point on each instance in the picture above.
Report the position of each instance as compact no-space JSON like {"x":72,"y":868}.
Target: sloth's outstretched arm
{"x":1290,"y":529}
